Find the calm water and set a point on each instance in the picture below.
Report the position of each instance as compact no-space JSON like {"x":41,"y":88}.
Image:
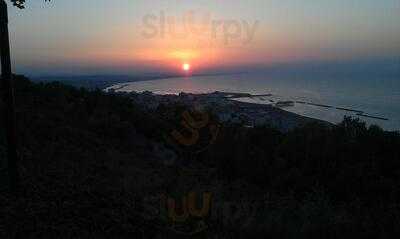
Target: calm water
{"x":375,"y":96}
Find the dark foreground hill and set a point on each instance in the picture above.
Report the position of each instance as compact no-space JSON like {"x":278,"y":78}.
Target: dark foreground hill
{"x":96,"y":165}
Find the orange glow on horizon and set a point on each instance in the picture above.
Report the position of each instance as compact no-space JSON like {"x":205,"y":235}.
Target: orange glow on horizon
{"x":129,"y":50}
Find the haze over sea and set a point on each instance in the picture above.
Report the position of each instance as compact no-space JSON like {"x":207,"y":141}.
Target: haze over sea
{"x":373,"y":88}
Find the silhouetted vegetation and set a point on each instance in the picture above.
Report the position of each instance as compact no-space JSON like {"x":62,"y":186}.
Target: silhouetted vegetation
{"x":348,"y":161}
{"x":87,"y":157}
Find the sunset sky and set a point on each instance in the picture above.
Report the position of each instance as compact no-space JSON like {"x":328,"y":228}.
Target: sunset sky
{"x":126,"y":36}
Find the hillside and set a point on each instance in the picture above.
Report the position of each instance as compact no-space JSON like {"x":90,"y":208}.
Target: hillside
{"x":98,"y":165}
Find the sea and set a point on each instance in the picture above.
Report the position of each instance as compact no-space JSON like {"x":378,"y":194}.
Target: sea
{"x":328,"y":97}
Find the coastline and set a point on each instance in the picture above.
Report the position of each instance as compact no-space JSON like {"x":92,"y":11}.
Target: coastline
{"x":226,"y":107}
{"x":326,"y":110}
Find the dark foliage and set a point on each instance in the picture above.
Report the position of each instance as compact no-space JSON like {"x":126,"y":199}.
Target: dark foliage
{"x":81,"y":151}
{"x":348,"y":161}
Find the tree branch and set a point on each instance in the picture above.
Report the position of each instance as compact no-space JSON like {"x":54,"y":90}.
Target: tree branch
{"x":21,"y":3}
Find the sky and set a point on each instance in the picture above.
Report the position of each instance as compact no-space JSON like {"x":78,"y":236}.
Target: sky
{"x":126,"y":36}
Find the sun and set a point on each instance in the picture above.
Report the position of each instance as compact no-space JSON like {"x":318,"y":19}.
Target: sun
{"x":186,"y":67}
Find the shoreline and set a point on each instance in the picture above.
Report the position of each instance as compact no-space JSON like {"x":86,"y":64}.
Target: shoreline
{"x":302,"y":109}
{"x":228,"y":110}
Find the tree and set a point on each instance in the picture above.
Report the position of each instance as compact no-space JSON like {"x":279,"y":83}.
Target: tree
{"x":7,"y":91}
{"x":21,"y":3}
